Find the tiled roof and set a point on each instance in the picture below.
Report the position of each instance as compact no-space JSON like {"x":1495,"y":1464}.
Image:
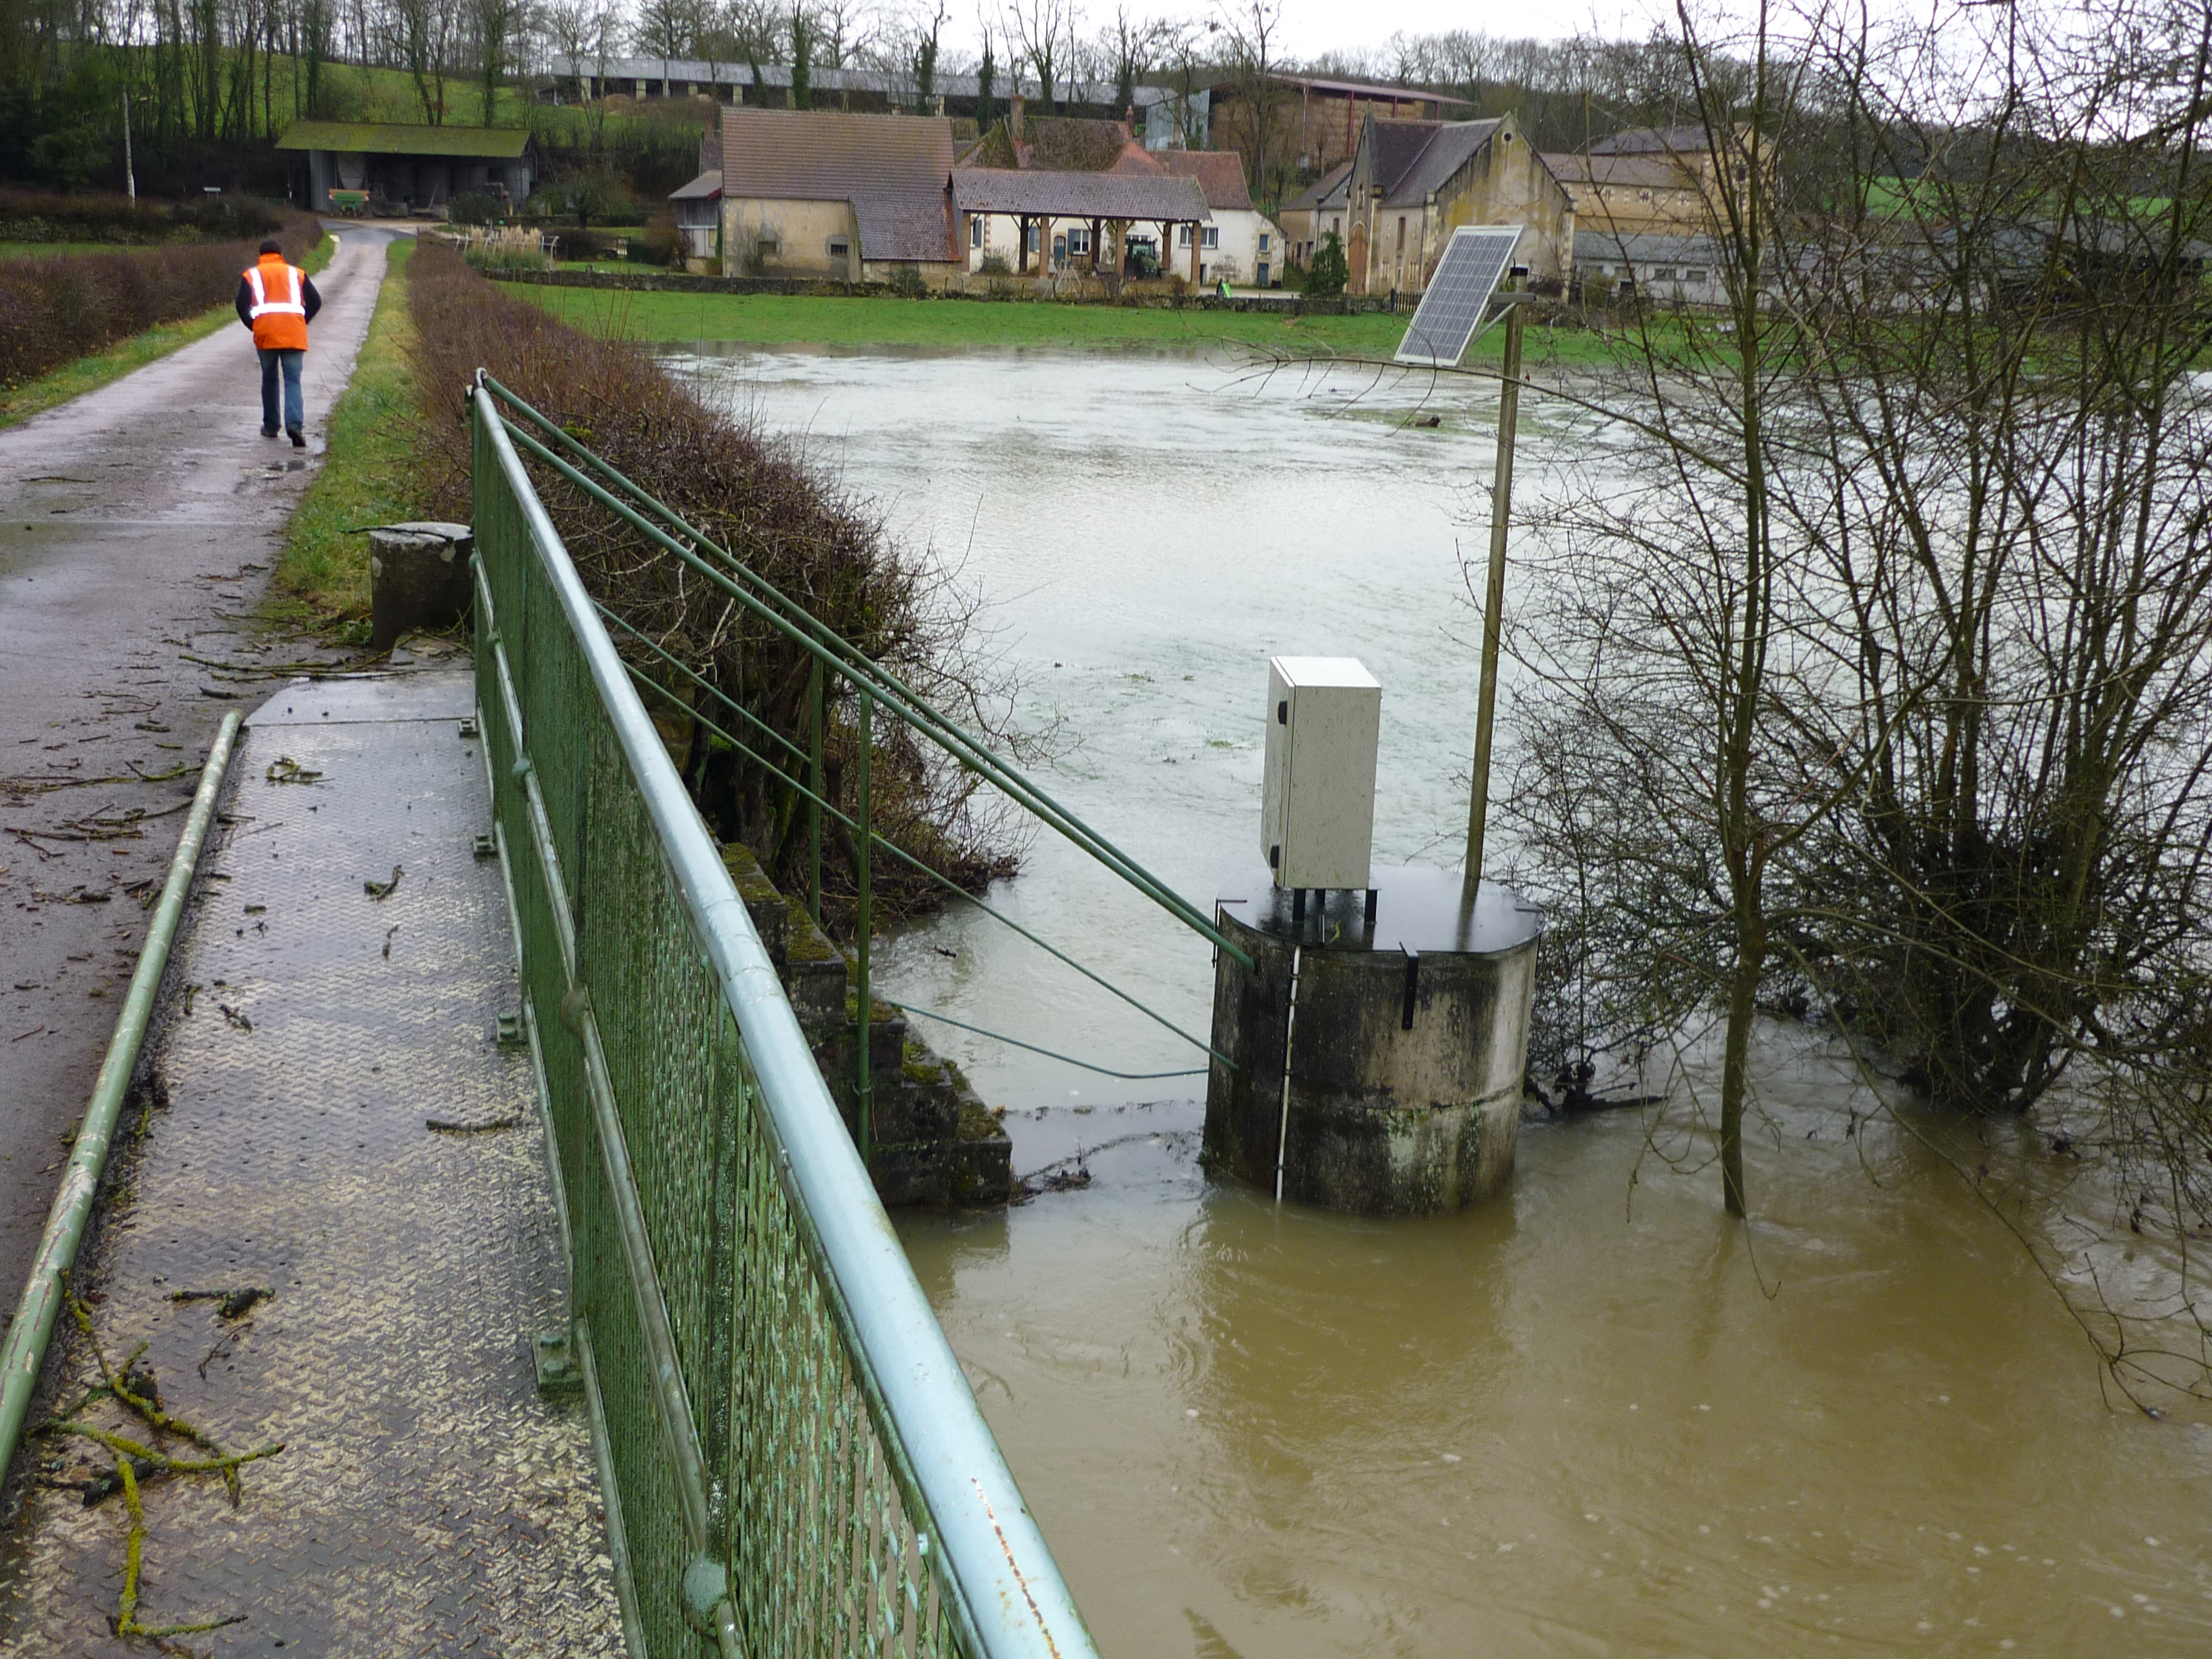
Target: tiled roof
{"x":1328,"y":189}
{"x":705,"y":187}
{"x":1219,"y":174}
{"x":905,"y":226}
{"x":1449,"y":149}
{"x":1077,"y":195}
{"x":378,"y":139}
{"x":1655,"y":141}
{"x":1398,"y":145}
{"x":1643,"y":171}
{"x":892,"y":167}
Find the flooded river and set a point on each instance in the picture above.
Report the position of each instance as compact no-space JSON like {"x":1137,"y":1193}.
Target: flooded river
{"x":1591,"y":1418}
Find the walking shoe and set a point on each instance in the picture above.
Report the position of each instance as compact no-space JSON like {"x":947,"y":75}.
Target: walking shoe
{"x":298,"y":439}
{"x":268,"y":431}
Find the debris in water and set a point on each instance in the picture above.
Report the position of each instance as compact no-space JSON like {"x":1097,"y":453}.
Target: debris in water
{"x":380,"y":891}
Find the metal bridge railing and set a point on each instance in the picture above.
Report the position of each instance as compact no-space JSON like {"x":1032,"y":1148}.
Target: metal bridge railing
{"x":793,"y":1461}
{"x":835,"y":660}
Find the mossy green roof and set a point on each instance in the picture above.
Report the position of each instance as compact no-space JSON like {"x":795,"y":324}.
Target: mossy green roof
{"x":381,"y":138}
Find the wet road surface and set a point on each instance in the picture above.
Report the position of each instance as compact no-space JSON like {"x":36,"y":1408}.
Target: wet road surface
{"x":138,"y":525}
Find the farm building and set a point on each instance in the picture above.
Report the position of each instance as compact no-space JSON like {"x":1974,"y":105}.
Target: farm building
{"x":820,"y":193}
{"x":412,"y":167}
{"x":1412,"y":183}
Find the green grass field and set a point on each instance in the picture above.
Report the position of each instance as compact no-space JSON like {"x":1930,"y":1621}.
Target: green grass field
{"x":782,"y":319}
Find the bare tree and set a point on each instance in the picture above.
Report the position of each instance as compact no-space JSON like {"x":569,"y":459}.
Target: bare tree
{"x":498,"y":26}
{"x":1127,"y":47}
{"x":1043,"y":34}
{"x":428,"y":32}
{"x":667,"y":29}
{"x":1248,"y":30}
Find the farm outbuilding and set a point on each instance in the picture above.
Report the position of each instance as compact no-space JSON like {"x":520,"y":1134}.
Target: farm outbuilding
{"x":416,"y":168}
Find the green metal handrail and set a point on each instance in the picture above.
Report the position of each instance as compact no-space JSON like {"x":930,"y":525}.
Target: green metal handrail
{"x":795,"y":1463}
{"x":834,"y":653}
{"x":821,"y":804}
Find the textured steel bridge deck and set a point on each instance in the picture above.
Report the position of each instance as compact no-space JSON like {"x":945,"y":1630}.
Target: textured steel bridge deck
{"x":429,"y":1499}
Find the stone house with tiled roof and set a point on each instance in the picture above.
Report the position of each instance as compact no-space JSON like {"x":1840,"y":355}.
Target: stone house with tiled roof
{"x":1243,"y":245}
{"x":1412,"y":183}
{"x":1058,"y":195}
{"x":819,"y":193}
{"x":1315,"y":211}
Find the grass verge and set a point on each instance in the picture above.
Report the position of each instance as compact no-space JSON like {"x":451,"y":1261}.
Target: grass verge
{"x":805,"y":319}
{"x":368,"y":474}
{"x":796,"y":319}
{"x":89,"y":373}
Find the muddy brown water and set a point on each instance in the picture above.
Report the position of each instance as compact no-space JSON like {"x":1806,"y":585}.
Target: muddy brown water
{"x":1591,"y":1418}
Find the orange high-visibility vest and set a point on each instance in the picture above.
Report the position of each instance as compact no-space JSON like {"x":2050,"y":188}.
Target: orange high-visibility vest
{"x":279,"y":311}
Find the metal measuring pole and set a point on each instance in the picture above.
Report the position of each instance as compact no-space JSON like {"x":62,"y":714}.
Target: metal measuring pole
{"x":1493,"y":602}
{"x":863,"y":1087}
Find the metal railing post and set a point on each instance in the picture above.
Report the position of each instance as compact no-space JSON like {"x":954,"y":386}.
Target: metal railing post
{"x":862,"y":920}
{"x":817,"y":703}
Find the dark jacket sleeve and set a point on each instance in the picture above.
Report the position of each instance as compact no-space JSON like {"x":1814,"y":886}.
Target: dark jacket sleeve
{"x":244,"y":302}
{"x":308,"y":297}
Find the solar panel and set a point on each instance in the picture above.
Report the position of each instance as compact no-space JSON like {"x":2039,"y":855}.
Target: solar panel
{"x":1445,"y":321}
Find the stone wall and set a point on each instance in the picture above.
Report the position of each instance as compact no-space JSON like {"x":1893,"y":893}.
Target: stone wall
{"x":935,"y":1142}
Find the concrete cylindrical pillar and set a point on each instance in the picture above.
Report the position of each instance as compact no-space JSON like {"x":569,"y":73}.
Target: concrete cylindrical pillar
{"x":418,"y":577}
{"x":1409,"y":1048}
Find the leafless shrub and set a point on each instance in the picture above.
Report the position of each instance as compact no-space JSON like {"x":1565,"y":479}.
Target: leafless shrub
{"x":53,"y":311}
{"x":759,"y":499}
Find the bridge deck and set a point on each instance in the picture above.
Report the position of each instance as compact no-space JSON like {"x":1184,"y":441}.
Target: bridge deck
{"x":429,"y":1500}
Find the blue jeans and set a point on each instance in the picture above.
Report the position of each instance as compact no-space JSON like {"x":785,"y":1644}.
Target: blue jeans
{"x":295,"y":409}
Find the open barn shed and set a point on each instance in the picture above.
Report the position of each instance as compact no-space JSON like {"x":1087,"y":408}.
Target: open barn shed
{"x":416,"y":168}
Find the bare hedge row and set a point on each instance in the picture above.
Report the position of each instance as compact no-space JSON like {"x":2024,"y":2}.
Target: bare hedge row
{"x":758,"y":497}
{"x":38,"y":216}
{"x":55,"y":310}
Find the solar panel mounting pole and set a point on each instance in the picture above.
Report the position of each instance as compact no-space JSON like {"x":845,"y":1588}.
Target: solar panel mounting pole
{"x":1493,"y":602}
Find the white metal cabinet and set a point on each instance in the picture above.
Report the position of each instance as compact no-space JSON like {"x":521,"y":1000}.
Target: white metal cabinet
{"x":1318,"y":802}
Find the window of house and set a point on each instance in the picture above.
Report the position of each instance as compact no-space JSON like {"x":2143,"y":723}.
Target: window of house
{"x":1079,"y":241}
{"x":1664,"y":274}
{"x":1036,"y":237}
{"x":1643,"y":195}
{"x":768,"y":245}
{"x":841,"y":247}
{"x":976,"y":231}
{"x":1402,"y":233}
{"x":1263,"y":242}
{"x":1210,"y":236}
{"x":1182,"y":235}
{"x":1694,"y":275}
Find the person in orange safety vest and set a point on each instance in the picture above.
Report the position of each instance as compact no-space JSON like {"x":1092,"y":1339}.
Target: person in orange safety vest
{"x":276,"y":300}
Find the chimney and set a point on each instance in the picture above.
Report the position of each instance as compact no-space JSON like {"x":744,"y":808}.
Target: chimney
{"x":1014,"y":122}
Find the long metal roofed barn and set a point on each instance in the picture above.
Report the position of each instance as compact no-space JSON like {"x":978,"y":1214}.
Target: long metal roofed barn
{"x":415,"y":167}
